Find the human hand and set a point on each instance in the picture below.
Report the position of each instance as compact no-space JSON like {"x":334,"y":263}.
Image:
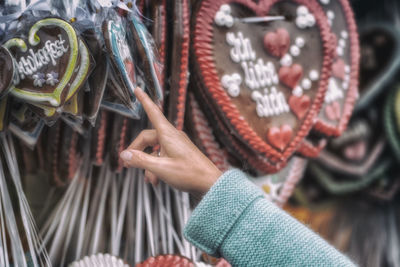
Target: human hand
{"x":180,"y":163}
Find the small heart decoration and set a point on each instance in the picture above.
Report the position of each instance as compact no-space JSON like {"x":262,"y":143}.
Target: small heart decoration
{"x":280,"y":137}
{"x":333,"y":111}
{"x":290,"y":76}
{"x":277,"y":43}
{"x":300,"y":105}
{"x":338,"y":69}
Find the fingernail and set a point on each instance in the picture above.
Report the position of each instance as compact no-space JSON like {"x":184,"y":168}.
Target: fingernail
{"x":126,"y":155}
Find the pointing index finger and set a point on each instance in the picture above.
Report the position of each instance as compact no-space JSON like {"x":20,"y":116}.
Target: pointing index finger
{"x":154,"y":113}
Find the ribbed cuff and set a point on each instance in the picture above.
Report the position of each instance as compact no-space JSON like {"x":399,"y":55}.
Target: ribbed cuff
{"x":219,"y":209}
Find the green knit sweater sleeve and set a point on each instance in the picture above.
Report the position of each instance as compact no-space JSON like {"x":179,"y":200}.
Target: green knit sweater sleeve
{"x":235,"y":221}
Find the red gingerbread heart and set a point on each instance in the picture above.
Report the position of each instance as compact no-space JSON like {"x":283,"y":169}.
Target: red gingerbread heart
{"x":333,"y":111}
{"x":221,"y":49}
{"x":277,"y":43}
{"x":290,"y":76}
{"x":300,"y":105}
{"x":280,"y":137}
{"x":338,"y":69}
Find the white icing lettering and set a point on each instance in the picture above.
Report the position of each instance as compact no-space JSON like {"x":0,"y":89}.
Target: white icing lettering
{"x":30,"y":64}
{"x":258,"y":75}
{"x":241,"y":47}
{"x":270,"y":103}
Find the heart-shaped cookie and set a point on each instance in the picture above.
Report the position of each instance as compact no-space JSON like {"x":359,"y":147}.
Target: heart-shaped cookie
{"x":7,"y":71}
{"x":225,"y":44}
{"x":45,"y":62}
{"x":73,"y":102}
{"x":343,"y":84}
{"x":115,"y":38}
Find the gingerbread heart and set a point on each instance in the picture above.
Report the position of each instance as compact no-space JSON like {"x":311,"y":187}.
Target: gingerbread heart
{"x":7,"y":71}
{"x":300,"y":105}
{"x":290,"y":76}
{"x":277,"y":43}
{"x":343,"y":85}
{"x":115,"y":38}
{"x":45,"y":62}
{"x":280,"y":137}
{"x":226,"y":45}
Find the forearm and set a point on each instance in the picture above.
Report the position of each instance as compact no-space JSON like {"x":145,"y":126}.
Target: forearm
{"x":235,"y":221}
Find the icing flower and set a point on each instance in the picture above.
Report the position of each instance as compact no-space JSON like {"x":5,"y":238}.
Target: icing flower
{"x":223,"y":17}
{"x":304,"y":18}
{"x":232,"y":84}
{"x":38,"y":79}
{"x":52,"y":78}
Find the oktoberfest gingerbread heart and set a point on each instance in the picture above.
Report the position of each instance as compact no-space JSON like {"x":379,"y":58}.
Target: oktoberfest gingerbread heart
{"x":45,"y":62}
{"x":253,"y":70}
{"x":343,"y":84}
{"x":342,"y":90}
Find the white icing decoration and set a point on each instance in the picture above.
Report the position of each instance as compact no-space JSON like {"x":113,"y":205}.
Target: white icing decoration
{"x":306,"y":84}
{"x":223,"y":17}
{"x":347,"y":69}
{"x":325,"y":2}
{"x":314,"y":75}
{"x":241,"y":47}
{"x":270,"y":103}
{"x":340,"y":51}
{"x":232,"y":84}
{"x":295,"y":50}
{"x":330,"y":14}
{"x":302,"y":11}
{"x":333,"y":92}
{"x":257,"y":75}
{"x":38,"y":79}
{"x":345,"y":85}
{"x":310,"y":20}
{"x":344,"y":34}
{"x":52,"y":78}
{"x":342,"y":43}
{"x":51,"y":51}
{"x":301,"y":22}
{"x":304,"y":18}
{"x":298,"y":91}
{"x":286,"y":60}
{"x":260,"y":74}
{"x":225,"y":8}
{"x":300,"y":42}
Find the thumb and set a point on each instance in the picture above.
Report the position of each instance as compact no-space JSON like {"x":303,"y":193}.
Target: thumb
{"x":138,"y":159}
